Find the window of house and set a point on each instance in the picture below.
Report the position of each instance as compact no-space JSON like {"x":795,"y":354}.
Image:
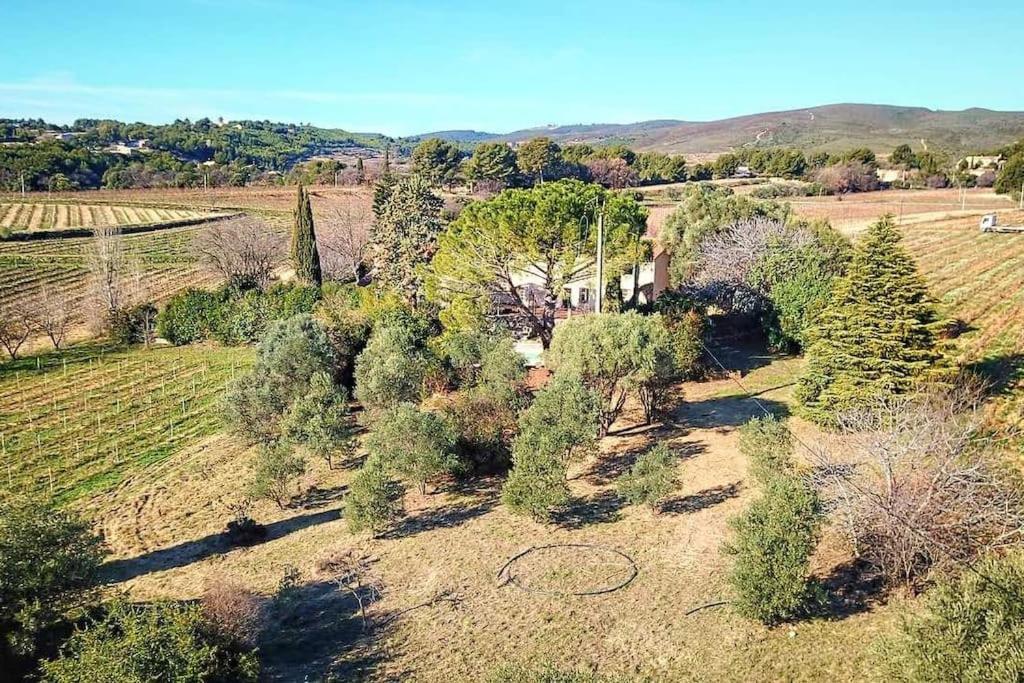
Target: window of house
{"x":584,"y":295}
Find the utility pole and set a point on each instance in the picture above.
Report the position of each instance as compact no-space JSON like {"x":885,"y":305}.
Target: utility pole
{"x":599,"y":298}
{"x":1021,"y":207}
{"x":23,"y":184}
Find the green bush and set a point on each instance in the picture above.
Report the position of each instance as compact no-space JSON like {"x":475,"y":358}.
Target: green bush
{"x":772,"y":545}
{"x":417,"y":445}
{"x":190,"y":316}
{"x":132,"y":325}
{"x":536,"y":485}
{"x":49,"y":568}
{"x":292,"y":351}
{"x":154,"y":642}
{"x":560,"y":425}
{"x":615,"y":354}
{"x":392,"y":368}
{"x":767,"y":444}
{"x":651,"y":478}
{"x":374,"y":498}
{"x":971,"y":630}
{"x":232,"y":315}
{"x":486,"y":426}
{"x":276,"y":466}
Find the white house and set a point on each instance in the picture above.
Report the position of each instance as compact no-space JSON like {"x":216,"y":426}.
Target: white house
{"x":580,"y":293}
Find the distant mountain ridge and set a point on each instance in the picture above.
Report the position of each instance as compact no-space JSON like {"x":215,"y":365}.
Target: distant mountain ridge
{"x":831,"y":127}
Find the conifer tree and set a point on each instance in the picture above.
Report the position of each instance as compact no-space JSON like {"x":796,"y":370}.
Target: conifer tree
{"x":304,"y":254}
{"x":360,"y":171}
{"x":876,"y":337}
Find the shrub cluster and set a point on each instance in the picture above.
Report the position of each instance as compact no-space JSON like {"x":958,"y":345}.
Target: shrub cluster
{"x":231,"y":315}
{"x":773,"y":540}
{"x":971,"y":630}
{"x":154,"y":642}
{"x":559,"y":426}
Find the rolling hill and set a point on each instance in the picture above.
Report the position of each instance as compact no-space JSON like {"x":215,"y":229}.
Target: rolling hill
{"x":831,"y":128}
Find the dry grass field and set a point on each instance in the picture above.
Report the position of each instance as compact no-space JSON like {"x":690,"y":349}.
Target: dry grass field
{"x":164,"y":527}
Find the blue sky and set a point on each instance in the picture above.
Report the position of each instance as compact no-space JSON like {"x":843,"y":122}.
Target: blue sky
{"x":408,"y":67}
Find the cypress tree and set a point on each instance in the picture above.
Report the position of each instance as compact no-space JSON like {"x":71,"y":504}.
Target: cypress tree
{"x":305,"y":257}
{"x":876,"y":337}
{"x":360,"y":171}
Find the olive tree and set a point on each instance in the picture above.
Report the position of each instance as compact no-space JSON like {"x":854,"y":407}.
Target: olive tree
{"x":616,"y":354}
{"x":417,"y":445}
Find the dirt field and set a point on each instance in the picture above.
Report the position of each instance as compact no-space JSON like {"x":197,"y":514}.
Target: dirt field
{"x":855,"y":212}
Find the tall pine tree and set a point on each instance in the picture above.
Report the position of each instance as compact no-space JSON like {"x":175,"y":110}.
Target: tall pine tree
{"x":304,"y":254}
{"x":876,"y":338}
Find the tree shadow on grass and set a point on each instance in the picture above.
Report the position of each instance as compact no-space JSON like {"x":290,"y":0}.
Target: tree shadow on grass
{"x":1000,"y":373}
{"x":695,"y":502}
{"x":199,"y":549}
{"x":728,"y":411}
{"x":316,"y":633}
{"x":602,"y":508}
{"x":444,"y":517}
{"x":316,"y":498}
{"x":850,"y":588}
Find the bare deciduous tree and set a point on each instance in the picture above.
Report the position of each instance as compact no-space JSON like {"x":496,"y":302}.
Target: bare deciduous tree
{"x":243,"y":249}
{"x":15,"y":326}
{"x":110,"y":271}
{"x":920,"y":486}
{"x":53,"y":314}
{"x":342,"y":235}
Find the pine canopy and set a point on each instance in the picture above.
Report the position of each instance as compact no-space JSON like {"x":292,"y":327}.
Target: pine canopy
{"x":304,"y":255}
{"x":876,"y":337}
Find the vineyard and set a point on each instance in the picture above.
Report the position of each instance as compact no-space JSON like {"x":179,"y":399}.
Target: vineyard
{"x":41,"y":217}
{"x":74,"y":423}
{"x":979,"y":279}
{"x":164,"y":259}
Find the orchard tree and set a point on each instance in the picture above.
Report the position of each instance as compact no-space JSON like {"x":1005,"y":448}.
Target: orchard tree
{"x":538,"y":234}
{"x":319,"y":419}
{"x":492,"y":162}
{"x":876,"y":336}
{"x":539,"y":158}
{"x":304,"y":255}
{"x":436,"y":160}
{"x":415,"y":444}
{"x":614,"y":355}
{"x":707,"y":210}
{"x":560,"y":426}
{"x":405,"y":232}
